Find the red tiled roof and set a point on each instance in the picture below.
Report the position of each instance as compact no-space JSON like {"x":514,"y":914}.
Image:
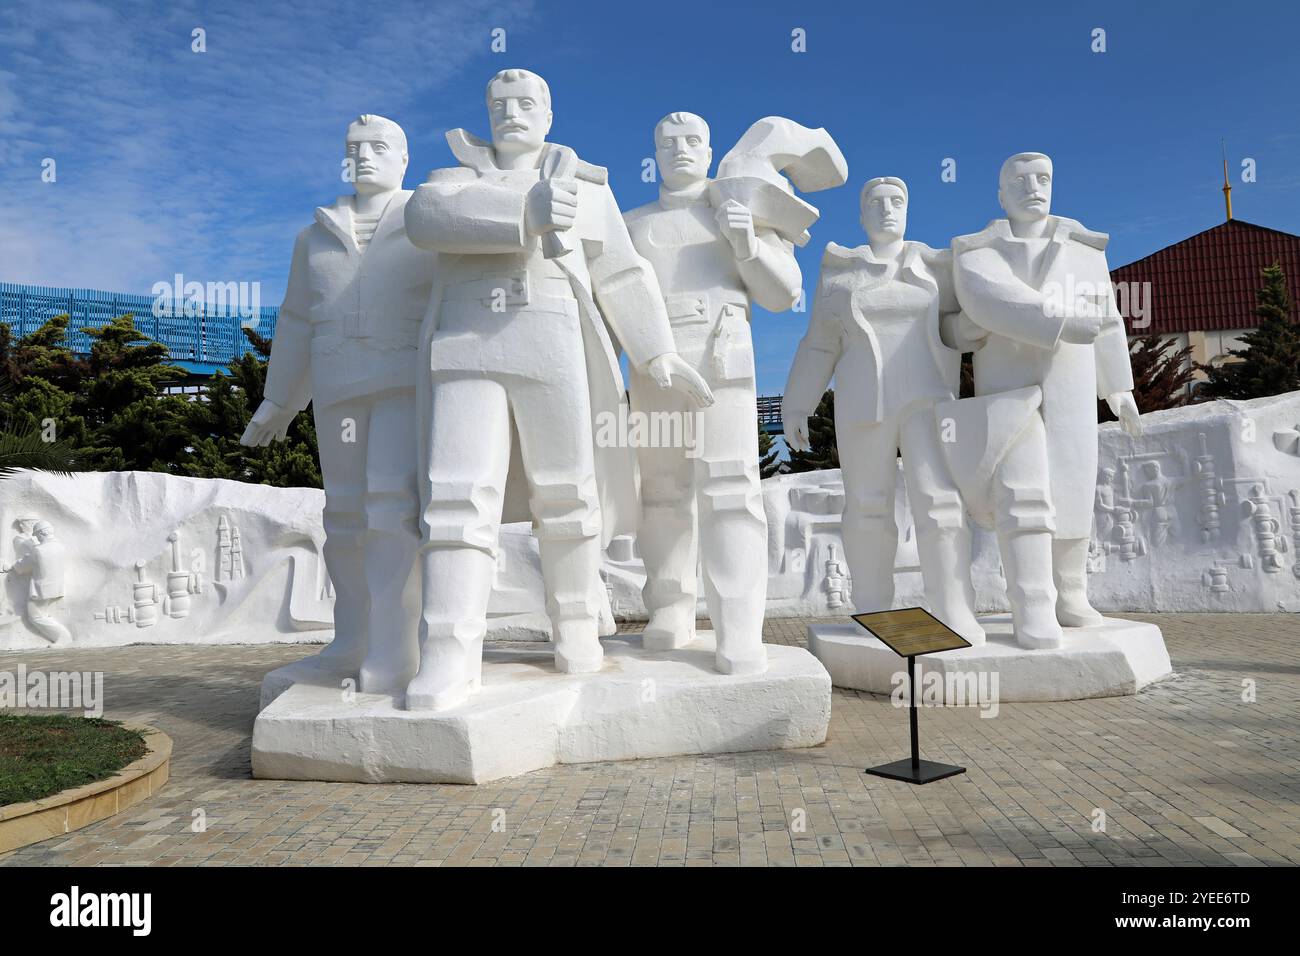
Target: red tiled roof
{"x":1209,"y":280}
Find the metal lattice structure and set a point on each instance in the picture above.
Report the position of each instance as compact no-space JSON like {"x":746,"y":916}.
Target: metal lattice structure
{"x":769,"y":414}
{"x":202,"y":344}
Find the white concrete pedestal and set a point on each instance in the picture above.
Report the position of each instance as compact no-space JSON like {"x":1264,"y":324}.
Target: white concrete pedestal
{"x":1114,"y":658}
{"x":528,"y":716}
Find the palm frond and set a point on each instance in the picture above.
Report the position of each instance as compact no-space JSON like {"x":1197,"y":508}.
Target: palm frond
{"x":28,"y":449}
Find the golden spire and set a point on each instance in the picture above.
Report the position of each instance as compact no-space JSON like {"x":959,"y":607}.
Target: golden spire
{"x":1227,"y":190}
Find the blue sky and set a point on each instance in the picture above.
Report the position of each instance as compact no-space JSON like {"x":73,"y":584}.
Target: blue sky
{"x":208,"y":164}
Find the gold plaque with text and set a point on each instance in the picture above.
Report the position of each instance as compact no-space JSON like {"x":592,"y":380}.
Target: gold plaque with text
{"x":910,"y":631}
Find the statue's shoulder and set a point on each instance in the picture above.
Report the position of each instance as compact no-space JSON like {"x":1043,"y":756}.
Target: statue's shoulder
{"x":1081,"y":233}
{"x":591,"y":173}
{"x":638,"y":215}
{"x":837,"y":256}
{"x":451,"y":174}
{"x":979,"y":240}
{"x":931,"y":257}
{"x":584,"y":171}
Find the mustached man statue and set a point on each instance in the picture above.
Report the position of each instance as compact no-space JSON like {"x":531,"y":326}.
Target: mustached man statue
{"x":1048,"y":341}
{"x":347,"y":340}
{"x":535,"y":262}
{"x":878,"y":325}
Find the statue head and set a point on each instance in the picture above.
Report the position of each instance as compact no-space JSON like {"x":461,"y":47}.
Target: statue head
{"x":519,"y":109}
{"x":43,"y":530}
{"x":1151,"y":469}
{"x":682,"y":150}
{"x":1025,"y":187}
{"x":377,"y":148}
{"x":883,"y":205}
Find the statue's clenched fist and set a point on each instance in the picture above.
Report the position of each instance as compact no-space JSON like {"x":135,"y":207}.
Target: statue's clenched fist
{"x":269,"y":423}
{"x":737,"y":225}
{"x":551,"y":206}
{"x":1083,"y":324}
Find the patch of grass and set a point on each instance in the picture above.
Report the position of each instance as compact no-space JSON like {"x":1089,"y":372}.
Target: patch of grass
{"x":41,"y":754}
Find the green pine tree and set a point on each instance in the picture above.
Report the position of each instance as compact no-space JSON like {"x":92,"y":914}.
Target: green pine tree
{"x":111,"y":410}
{"x":769,"y":455}
{"x":1270,"y":362}
{"x":1160,"y":377}
{"x":218,"y":423}
{"x":821,"y":437}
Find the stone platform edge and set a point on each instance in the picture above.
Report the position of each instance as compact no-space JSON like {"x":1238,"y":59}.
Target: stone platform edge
{"x":22,"y":824}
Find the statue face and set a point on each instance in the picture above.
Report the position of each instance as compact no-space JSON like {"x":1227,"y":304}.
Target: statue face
{"x":682,"y":153}
{"x":519,"y":115}
{"x":377,"y":157}
{"x":884,"y":213}
{"x":1025,"y":191}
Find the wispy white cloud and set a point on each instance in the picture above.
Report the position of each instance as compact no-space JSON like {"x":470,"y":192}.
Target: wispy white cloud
{"x":204,"y":163}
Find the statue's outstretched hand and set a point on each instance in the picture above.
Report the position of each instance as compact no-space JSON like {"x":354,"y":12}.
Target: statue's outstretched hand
{"x":1126,"y":410}
{"x":670,"y":370}
{"x":270,"y":423}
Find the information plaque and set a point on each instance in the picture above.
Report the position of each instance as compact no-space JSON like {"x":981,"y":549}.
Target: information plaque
{"x":909,"y":632}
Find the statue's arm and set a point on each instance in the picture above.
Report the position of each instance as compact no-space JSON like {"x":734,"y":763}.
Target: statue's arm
{"x":818,"y":353}
{"x":956,"y":330}
{"x":624,"y":286}
{"x":456,"y":211}
{"x":1114,"y":368}
{"x":994,"y":298}
{"x":288,"y":373}
{"x":772,"y":277}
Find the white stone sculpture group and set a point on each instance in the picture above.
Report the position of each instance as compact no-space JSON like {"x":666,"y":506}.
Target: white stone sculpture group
{"x":460,"y":346}
{"x":1030,"y":296}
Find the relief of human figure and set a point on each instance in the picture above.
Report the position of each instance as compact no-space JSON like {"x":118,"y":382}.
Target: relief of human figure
{"x":1104,"y":508}
{"x":347,"y":341}
{"x":43,"y":559}
{"x":535,"y":261}
{"x":1157,"y":494}
{"x":877,"y":327}
{"x":1048,"y":340}
{"x":702,"y":507}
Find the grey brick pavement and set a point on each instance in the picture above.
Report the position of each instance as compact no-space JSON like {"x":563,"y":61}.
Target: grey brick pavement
{"x":1186,"y":773}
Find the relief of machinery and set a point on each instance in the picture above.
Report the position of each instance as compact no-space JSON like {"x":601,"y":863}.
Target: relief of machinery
{"x":230,"y":552}
{"x":182,"y":584}
{"x":836,"y":584}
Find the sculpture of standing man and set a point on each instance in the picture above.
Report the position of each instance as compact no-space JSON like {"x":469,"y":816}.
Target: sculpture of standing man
{"x":535,"y":261}
{"x":1048,"y":340}
{"x":877,"y":326}
{"x":705,"y":509}
{"x":347,"y":340}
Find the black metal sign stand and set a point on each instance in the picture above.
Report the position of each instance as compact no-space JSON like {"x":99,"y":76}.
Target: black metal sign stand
{"x":914,"y":769}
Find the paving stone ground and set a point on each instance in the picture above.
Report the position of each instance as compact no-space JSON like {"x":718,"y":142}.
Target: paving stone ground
{"x":1186,"y":772}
